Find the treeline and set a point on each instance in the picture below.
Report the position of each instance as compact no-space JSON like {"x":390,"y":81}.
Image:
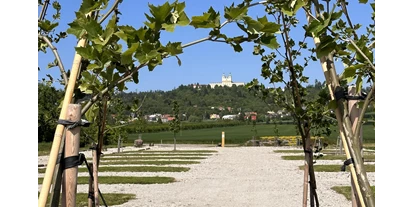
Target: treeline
{"x":201,"y":101}
{"x":139,"y":127}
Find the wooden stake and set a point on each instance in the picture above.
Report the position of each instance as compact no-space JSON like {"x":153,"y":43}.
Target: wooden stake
{"x":354,"y":113}
{"x":57,"y":178}
{"x":70,"y":175}
{"x":91,"y":191}
{"x":95,"y":176}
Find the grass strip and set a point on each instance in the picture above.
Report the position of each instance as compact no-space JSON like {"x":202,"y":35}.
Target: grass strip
{"x":111,"y":199}
{"x":337,"y":168}
{"x":150,"y":162}
{"x":124,"y":180}
{"x":346,"y":191}
{"x":326,"y":157}
{"x":153,"y":154}
{"x":132,"y":169}
{"x":172,"y":151}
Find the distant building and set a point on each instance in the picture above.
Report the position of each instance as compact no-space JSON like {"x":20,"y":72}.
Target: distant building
{"x":230,"y":117}
{"x":214,"y":116}
{"x":226,"y":81}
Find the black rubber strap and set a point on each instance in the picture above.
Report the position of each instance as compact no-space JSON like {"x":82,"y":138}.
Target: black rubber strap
{"x":346,"y":163}
{"x":73,"y":124}
{"x":69,"y":162}
{"x":308,"y":151}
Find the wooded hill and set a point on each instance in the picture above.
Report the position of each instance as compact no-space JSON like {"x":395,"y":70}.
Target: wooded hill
{"x":204,"y":100}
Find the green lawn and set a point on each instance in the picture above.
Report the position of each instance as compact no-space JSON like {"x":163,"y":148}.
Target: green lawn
{"x":346,"y":191}
{"x":153,"y":155}
{"x":172,"y":151}
{"x":132,"y":169}
{"x":337,"y":168}
{"x":234,"y":134}
{"x":149,"y":158}
{"x":370,"y":157}
{"x":148,"y":162}
{"x":124,"y":180}
{"x":111,"y":199}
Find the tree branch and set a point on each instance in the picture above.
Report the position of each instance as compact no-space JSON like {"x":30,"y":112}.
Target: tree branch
{"x":44,"y":9}
{"x":348,"y":19}
{"x":364,"y":109}
{"x":109,"y":11}
{"x":221,"y":26}
{"x":55,"y":52}
{"x":122,"y":79}
{"x":346,"y":40}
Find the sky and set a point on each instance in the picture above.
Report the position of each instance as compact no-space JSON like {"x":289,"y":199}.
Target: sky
{"x":202,"y":63}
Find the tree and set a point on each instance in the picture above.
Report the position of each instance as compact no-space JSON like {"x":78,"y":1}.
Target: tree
{"x":48,"y":111}
{"x":175,"y":124}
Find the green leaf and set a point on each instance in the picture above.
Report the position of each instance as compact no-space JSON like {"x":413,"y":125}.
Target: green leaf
{"x":178,"y":60}
{"x":336,"y":15}
{"x":271,"y":27}
{"x":48,"y":26}
{"x":293,"y":7}
{"x":183,"y":19}
{"x":363,"y":1}
{"x":367,"y":52}
{"x":263,"y":20}
{"x":235,"y":13}
{"x":332,"y":104}
{"x":160,"y":13}
{"x":75,"y":29}
{"x":326,"y":46}
{"x":93,"y":66}
{"x":358,"y":84}
{"x":350,"y":72}
{"x":84,"y":87}
{"x":174,"y":48}
{"x":269,"y":41}
{"x":86,"y":52}
{"x":121,"y":35}
{"x":135,"y":77}
{"x":89,"y":5}
{"x":237,"y":47}
{"x":168,"y":27}
{"x":92,"y":113}
{"x":209,"y":19}
{"x":253,"y":26}
{"x":126,"y":57}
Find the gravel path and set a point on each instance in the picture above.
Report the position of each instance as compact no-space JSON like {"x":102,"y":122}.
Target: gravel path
{"x":235,"y":176}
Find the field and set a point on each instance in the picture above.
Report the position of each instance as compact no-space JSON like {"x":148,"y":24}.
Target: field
{"x":235,"y":134}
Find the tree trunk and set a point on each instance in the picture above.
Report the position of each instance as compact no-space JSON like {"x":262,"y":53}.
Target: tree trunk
{"x":345,"y":127}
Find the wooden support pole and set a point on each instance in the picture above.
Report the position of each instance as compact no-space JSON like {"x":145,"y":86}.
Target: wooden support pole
{"x":95,"y":176}
{"x":90,"y":191}
{"x":57,"y":177}
{"x":354,"y":113}
{"x":70,"y":175}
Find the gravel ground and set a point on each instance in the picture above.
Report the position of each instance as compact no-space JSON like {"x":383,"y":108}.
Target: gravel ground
{"x":235,"y":176}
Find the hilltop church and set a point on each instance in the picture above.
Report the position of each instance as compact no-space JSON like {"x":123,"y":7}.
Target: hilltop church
{"x":226,"y":81}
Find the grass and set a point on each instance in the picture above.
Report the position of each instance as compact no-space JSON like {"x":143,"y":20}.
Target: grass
{"x":346,"y":191}
{"x":124,"y":180}
{"x":337,"y":168}
{"x":173,"y":152}
{"x":370,"y":157}
{"x":148,"y":162}
{"x":111,"y":199}
{"x":143,"y":155}
{"x":132,"y":169}
{"x":235,"y":134}
{"x":148,"y":158}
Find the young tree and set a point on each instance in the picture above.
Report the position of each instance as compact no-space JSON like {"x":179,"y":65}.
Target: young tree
{"x":175,"y":124}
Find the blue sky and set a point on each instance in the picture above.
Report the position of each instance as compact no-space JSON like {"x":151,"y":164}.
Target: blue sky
{"x":202,"y":63}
